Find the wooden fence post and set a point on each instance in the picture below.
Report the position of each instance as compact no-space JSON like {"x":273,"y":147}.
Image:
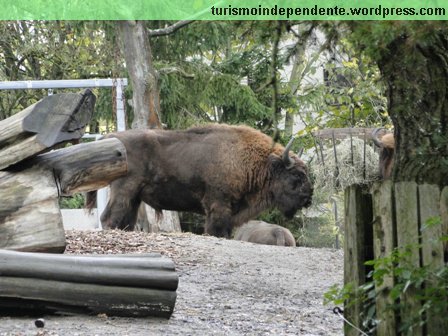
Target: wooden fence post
{"x":384,"y":241}
{"x":358,"y":246}
{"x":432,"y":247}
{"x":407,"y":219}
{"x":402,"y":214}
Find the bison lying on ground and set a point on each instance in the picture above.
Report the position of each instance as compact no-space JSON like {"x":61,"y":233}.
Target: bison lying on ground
{"x":387,"y":150}
{"x":228,"y":173}
{"x":260,"y":232}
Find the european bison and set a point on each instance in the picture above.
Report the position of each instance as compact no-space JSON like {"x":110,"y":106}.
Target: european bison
{"x":387,"y":150}
{"x":228,"y":173}
{"x":260,"y":232}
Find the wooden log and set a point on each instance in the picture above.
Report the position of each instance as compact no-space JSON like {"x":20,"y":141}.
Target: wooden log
{"x":30,"y":219}
{"x":85,"y":167}
{"x":146,"y":272}
{"x":384,"y":242}
{"x":114,"y":285}
{"x":52,"y":120}
{"x":357,"y":248}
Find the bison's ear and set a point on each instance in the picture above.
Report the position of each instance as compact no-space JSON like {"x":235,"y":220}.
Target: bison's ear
{"x":277,"y":163}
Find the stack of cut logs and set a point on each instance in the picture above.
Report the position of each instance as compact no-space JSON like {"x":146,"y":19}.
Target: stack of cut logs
{"x":32,"y":179}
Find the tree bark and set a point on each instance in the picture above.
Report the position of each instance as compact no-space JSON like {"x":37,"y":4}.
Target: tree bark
{"x":148,"y":221}
{"x":145,"y":98}
{"x":144,"y":78}
{"x":416,"y":73}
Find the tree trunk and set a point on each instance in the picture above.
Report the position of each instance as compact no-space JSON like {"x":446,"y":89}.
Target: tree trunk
{"x":148,"y":221}
{"x":145,"y":98}
{"x":144,"y":78}
{"x":294,"y":84}
{"x":417,"y":77}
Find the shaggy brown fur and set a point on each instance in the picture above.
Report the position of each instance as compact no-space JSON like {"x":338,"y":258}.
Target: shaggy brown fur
{"x":387,"y":145}
{"x":229,"y":173}
{"x":260,"y":232}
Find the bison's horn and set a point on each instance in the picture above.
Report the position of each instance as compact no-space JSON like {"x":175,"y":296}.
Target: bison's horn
{"x":286,"y":158}
{"x":375,"y":138}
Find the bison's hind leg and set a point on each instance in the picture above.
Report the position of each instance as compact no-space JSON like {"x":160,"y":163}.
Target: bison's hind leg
{"x":121,"y":209}
{"x":120,"y":215}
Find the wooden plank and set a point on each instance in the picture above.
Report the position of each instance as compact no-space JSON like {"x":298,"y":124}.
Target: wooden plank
{"x":358,"y":243}
{"x":432,"y":249}
{"x":384,"y":243}
{"x":408,"y":235}
{"x":350,"y":257}
{"x":52,"y":120}
{"x":70,"y":297}
{"x":444,"y":216}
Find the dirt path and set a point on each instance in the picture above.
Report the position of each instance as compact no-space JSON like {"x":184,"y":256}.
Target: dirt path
{"x":226,"y":287}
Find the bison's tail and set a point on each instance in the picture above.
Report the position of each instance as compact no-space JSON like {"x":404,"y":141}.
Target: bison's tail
{"x":90,"y":202}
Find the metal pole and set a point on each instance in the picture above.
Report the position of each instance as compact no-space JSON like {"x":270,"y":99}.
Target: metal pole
{"x":121,"y":118}
{"x":60,"y":84}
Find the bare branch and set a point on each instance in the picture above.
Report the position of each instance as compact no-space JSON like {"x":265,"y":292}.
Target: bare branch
{"x":169,"y":70}
{"x":170,"y":29}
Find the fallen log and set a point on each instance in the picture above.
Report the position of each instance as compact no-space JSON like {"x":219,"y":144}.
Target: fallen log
{"x":52,"y":120}
{"x":30,"y":218}
{"x":139,"y":271}
{"x":114,"y":285}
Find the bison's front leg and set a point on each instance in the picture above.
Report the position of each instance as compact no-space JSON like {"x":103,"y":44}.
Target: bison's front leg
{"x":218,"y":220}
{"x":122,"y":207}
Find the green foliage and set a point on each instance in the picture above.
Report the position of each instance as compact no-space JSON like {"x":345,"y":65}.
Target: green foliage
{"x":72,"y":202}
{"x":220,"y":76}
{"x":352,"y":94}
{"x":319,"y":232}
{"x":37,"y":50}
{"x":374,"y":37}
{"x":209,"y":96}
{"x":428,"y":285}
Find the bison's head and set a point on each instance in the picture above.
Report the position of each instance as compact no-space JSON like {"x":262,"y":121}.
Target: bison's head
{"x":291,"y":188}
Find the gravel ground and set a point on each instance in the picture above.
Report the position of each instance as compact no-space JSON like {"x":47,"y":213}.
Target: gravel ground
{"x":226,"y":287}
